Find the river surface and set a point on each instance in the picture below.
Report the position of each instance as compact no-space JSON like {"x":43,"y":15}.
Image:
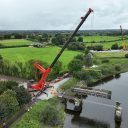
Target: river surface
{"x":99,"y":112}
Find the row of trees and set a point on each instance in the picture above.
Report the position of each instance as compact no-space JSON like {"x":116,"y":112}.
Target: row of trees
{"x":60,"y":39}
{"x":27,"y":70}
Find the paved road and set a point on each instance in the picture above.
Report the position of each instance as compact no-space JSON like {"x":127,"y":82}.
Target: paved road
{"x":51,"y":91}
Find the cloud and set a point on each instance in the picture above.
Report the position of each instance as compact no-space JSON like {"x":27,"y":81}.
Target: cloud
{"x":61,"y":14}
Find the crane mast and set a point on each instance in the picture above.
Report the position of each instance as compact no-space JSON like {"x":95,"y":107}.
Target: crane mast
{"x":42,"y":83}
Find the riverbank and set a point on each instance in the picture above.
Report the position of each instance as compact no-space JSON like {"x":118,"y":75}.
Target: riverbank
{"x":99,"y":112}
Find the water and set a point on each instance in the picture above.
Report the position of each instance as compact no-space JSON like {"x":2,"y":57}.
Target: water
{"x":98,"y":112}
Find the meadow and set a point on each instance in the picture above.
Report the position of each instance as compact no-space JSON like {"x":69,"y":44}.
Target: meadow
{"x":100,"y":38}
{"x":106,"y":41}
{"x":46,"y":54}
{"x":115,"y":58}
{"x":14,"y":42}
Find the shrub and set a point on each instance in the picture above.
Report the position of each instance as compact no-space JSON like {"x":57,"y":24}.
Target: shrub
{"x":105,"y":61}
{"x":75,"y":65}
{"x":8,"y":104}
{"x":1,"y":58}
{"x":115,"y":46}
{"x":126,"y":55}
{"x":80,"y":39}
{"x":79,"y":57}
{"x":51,"y":115}
{"x":76,"y":46}
{"x":88,"y":74}
{"x":105,"y":70}
{"x":96,"y":47}
{"x":22,"y":95}
{"x":117,"y":68}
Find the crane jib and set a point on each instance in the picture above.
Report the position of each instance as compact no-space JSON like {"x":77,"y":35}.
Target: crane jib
{"x":71,"y":37}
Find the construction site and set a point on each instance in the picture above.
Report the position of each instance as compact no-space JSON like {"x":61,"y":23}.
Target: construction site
{"x":65,"y":78}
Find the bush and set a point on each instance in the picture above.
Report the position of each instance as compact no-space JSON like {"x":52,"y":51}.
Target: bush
{"x":115,"y":46}
{"x":22,"y":95}
{"x":117,"y":68}
{"x":126,"y":55}
{"x":51,"y":115}
{"x":75,"y":65}
{"x":105,"y":61}
{"x":80,"y":39}
{"x":8,"y":104}
{"x":105,"y":70}
{"x":1,"y":58}
{"x":76,"y":46}
{"x":5,"y":85}
{"x":88,"y":75}
{"x":96,"y":47}
{"x":79,"y":57}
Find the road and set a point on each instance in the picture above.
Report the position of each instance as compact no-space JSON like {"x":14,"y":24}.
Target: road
{"x":49,"y":91}
{"x":52,"y":91}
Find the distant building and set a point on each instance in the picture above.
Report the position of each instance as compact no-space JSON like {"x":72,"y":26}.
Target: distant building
{"x":37,"y":44}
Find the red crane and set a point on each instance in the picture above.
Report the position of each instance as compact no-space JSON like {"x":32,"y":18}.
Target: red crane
{"x":42,"y":84}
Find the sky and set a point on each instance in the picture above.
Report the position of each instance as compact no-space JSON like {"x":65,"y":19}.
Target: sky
{"x":62,"y":14}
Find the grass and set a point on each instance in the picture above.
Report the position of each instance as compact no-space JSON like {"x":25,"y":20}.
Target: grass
{"x":14,"y":42}
{"x":45,"y":54}
{"x":115,"y":58}
{"x":70,"y":83}
{"x":100,"y":38}
{"x":31,"y":119}
{"x":110,"y":54}
{"x":97,"y":39}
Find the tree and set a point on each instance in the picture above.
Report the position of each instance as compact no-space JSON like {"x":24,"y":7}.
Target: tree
{"x":39,"y":38}
{"x":3,"y":111}
{"x":59,"y":39}
{"x":75,"y":65}
{"x":76,"y":46}
{"x":22,"y":95}
{"x":55,"y":71}
{"x":51,"y":116}
{"x":86,"y":51}
{"x":88,"y":60}
{"x":115,"y":46}
{"x":8,"y":104}
{"x":79,"y":57}
{"x":1,"y":58}
{"x":126,"y":55}
{"x":80,"y":39}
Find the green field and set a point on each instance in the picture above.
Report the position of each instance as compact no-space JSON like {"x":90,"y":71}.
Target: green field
{"x":110,"y":54}
{"x":45,"y":54}
{"x":99,"y":40}
{"x":14,"y":42}
{"x":115,"y":58}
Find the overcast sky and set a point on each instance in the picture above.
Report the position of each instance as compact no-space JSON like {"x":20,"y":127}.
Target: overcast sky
{"x":62,"y":14}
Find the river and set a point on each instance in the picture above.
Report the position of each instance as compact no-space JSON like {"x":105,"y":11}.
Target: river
{"x":99,"y":112}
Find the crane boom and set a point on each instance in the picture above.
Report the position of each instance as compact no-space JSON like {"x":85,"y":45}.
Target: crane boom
{"x":42,"y":83}
{"x":73,"y":34}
